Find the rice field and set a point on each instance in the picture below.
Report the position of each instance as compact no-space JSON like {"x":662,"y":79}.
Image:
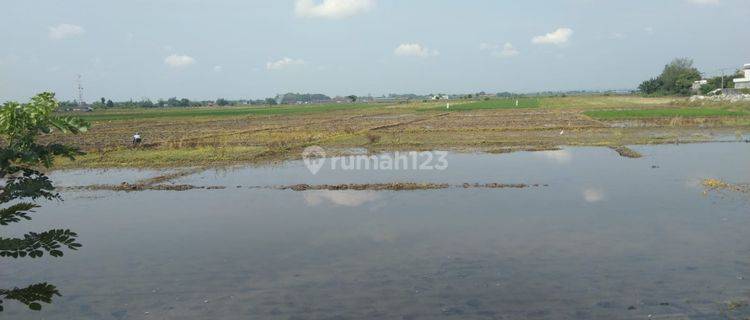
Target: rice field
{"x":229,"y":135}
{"x":213,"y":112}
{"x":521,"y":103}
{"x":662,"y":113}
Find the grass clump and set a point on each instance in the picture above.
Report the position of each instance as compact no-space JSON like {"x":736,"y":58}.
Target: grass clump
{"x":627,"y":152}
{"x":716,"y":184}
{"x":735,"y":304}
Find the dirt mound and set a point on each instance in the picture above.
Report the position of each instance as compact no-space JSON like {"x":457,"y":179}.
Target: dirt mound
{"x":404,"y":186}
{"x":129,"y":187}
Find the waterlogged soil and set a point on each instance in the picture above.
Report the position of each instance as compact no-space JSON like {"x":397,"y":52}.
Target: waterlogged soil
{"x":608,"y":237}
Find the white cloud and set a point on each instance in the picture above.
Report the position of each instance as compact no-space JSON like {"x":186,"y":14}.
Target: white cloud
{"x":218,"y":68}
{"x":593,"y":195}
{"x":414,"y":50}
{"x":284,"y":63}
{"x":65,"y":30}
{"x":558,"y":37}
{"x":506,"y":51}
{"x":332,"y":9}
{"x":705,"y":2}
{"x":179,"y":61}
{"x":509,"y":50}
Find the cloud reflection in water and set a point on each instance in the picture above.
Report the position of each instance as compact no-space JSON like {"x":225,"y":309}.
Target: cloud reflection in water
{"x":339,"y":198}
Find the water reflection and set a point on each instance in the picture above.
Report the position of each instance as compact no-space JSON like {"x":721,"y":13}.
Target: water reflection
{"x":20,"y":187}
{"x":558,"y":156}
{"x":607,"y":234}
{"x":340,"y":198}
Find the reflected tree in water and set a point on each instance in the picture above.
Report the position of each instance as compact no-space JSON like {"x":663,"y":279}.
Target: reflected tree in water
{"x":20,"y":127}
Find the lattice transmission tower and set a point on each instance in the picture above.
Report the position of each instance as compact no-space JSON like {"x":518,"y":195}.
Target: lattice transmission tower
{"x":79,"y":91}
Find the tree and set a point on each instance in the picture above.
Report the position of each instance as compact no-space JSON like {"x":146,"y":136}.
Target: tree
{"x":271,"y":101}
{"x":676,"y":78}
{"x":352,"y":98}
{"x":222,"y":102}
{"x":650,"y":86}
{"x":146,"y":103}
{"x":110,"y":104}
{"x":20,"y":126}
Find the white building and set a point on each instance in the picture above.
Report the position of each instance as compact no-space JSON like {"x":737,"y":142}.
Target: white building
{"x":697,"y":85}
{"x":743,"y":83}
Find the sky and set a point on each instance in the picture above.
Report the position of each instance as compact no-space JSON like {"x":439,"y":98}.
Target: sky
{"x":239,"y":49}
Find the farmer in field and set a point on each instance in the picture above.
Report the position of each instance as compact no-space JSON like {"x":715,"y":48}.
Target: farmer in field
{"x":136,"y":139}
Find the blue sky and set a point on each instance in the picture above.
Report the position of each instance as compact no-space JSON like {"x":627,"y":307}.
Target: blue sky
{"x":204,"y":49}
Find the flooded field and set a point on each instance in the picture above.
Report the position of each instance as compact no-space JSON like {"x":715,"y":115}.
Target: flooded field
{"x":601,"y":236}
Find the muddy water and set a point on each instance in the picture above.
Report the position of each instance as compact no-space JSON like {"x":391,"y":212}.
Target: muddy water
{"x":609,"y":237}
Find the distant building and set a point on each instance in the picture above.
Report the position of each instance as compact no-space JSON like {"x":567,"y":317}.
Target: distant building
{"x":82,"y":109}
{"x":696,"y":88}
{"x":341,"y":99}
{"x":743,"y":83}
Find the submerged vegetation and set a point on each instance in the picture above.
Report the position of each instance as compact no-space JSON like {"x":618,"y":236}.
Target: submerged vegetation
{"x":719,"y":185}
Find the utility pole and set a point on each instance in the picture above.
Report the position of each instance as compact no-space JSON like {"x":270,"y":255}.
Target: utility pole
{"x":79,"y":88}
{"x":723,"y":76}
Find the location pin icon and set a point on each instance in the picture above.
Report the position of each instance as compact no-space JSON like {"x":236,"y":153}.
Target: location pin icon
{"x":314,"y":158}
